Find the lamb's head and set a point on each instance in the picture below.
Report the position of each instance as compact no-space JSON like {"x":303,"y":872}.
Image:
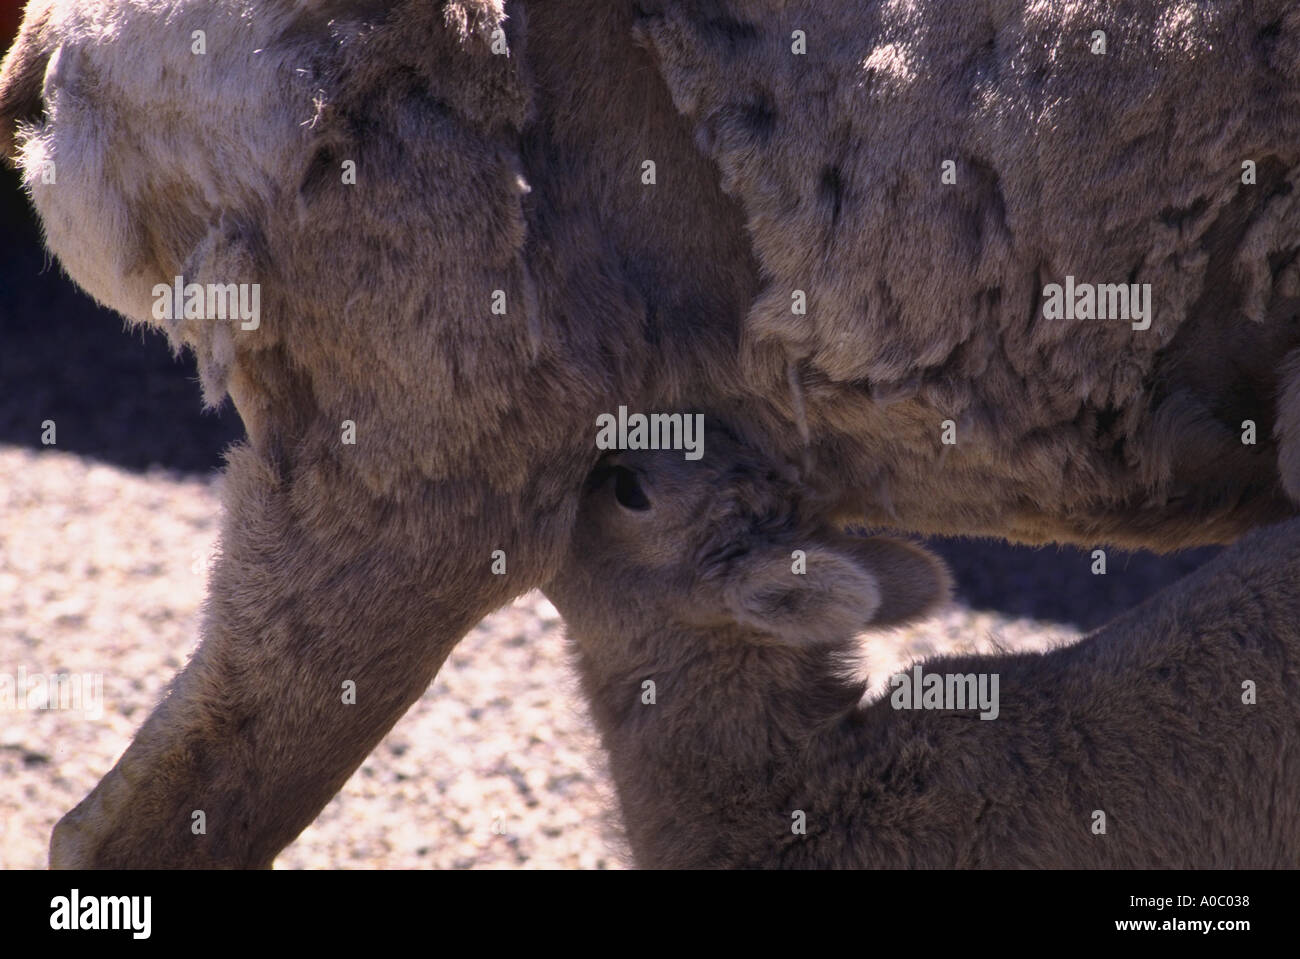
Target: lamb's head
{"x":732,"y":544}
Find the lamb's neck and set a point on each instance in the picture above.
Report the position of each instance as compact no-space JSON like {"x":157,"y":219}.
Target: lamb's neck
{"x":711,"y":714}
{"x":712,"y":680}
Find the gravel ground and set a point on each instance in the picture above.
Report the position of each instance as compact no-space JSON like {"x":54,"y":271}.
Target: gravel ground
{"x":102,"y":545}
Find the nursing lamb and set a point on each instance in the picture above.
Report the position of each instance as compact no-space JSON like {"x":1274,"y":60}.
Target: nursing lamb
{"x":714,"y":622}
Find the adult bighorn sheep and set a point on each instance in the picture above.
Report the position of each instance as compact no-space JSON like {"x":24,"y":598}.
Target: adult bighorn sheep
{"x":714,"y":621}
{"x":477,"y":225}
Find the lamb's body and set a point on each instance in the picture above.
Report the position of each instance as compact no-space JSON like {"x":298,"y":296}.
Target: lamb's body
{"x":776,"y":172}
{"x":1144,"y":721}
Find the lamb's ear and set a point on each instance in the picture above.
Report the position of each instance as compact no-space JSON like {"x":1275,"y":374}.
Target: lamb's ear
{"x":802,"y":596}
{"x":827,"y":592}
{"x":912,"y":580}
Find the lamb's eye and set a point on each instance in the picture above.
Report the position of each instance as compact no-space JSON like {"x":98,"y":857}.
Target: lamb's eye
{"x":627,"y":490}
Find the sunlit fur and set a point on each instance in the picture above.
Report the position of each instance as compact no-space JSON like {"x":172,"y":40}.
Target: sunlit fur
{"x":521,"y":172}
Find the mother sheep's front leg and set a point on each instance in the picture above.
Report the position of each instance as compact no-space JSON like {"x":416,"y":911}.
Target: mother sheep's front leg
{"x":325,"y":621}
{"x":329,"y":213}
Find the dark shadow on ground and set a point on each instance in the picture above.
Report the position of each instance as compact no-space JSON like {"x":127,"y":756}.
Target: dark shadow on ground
{"x":122,"y":398}
{"x":1056,"y":582}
